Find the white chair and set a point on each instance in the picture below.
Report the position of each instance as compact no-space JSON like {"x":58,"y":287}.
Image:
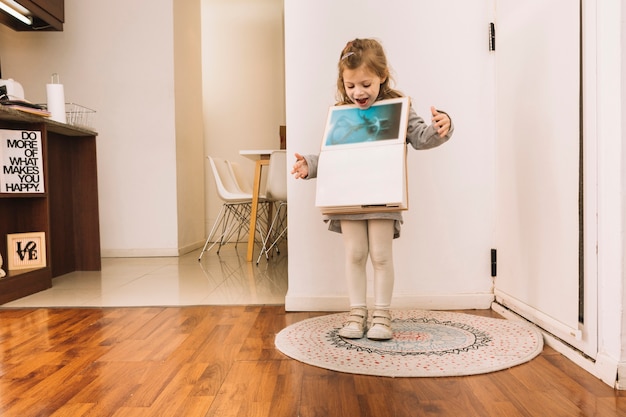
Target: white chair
{"x":240,"y":177}
{"x":234,"y":216}
{"x":276,"y":193}
{"x":245,"y":186}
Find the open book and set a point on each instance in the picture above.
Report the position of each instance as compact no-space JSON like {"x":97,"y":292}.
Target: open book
{"x":362,"y":162}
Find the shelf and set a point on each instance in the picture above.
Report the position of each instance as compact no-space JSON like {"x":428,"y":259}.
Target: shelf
{"x":18,"y":285}
{"x":23,"y":195}
{"x":67,"y":212}
{"x":16,"y":116}
{"x":16,"y":273}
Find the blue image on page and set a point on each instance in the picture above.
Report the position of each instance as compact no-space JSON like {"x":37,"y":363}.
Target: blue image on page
{"x":353,"y":125}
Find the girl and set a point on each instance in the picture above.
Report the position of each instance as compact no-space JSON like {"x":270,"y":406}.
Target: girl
{"x":363,"y":79}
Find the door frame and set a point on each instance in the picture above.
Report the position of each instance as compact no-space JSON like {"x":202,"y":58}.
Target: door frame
{"x":584,"y":340}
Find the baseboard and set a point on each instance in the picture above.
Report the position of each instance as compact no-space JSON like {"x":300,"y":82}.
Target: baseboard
{"x":307,"y":303}
{"x":479,"y":301}
{"x":190,"y":248}
{"x":621,"y":376}
{"x":602,"y":366}
{"x":139,"y":253}
{"x":150,"y":252}
{"x":403,"y":302}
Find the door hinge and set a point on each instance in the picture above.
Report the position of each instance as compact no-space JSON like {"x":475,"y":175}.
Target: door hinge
{"x":492,"y":36}
{"x":494,"y":262}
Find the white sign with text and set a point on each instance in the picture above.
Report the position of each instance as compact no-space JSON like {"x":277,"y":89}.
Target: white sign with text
{"x":21,"y":161}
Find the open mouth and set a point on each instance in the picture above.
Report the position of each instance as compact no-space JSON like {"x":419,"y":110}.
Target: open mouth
{"x":362,"y":101}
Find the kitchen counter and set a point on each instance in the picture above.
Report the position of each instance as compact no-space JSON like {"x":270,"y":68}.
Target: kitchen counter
{"x":66,"y":211}
{"x":10,"y":114}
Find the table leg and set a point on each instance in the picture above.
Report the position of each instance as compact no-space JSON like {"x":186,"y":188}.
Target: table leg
{"x":255,"y":206}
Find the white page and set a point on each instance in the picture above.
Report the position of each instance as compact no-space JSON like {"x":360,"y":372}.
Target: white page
{"x":356,"y":177}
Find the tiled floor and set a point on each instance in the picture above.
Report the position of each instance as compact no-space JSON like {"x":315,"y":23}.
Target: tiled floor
{"x":218,"y":279}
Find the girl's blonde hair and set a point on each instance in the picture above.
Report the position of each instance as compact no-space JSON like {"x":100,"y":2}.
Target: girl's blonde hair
{"x":368,"y":52}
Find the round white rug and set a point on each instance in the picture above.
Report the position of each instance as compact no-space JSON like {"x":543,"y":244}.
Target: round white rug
{"x":424,"y":344}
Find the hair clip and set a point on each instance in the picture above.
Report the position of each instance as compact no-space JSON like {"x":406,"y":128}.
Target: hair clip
{"x":346,"y":55}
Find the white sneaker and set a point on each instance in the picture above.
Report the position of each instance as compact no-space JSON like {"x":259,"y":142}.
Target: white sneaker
{"x":354,"y":327}
{"x":381,"y":326}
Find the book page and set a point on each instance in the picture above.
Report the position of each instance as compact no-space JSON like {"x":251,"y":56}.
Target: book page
{"x":359,"y":177}
{"x":362,"y":163}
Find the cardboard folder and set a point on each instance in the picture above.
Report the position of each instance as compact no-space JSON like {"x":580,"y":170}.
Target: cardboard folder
{"x":362,"y":162}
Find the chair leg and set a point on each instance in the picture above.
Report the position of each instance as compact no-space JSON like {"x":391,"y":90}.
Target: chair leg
{"x":243,"y":213}
{"x":215,"y":225}
{"x":231,"y":220}
{"x":276,"y":221}
{"x":282,"y":226}
{"x":265,"y":237}
{"x":230,"y":226}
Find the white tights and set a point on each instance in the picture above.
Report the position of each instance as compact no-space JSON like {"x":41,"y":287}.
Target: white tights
{"x":374,"y":238}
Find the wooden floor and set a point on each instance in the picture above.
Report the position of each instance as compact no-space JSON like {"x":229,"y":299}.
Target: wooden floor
{"x":221,"y":361}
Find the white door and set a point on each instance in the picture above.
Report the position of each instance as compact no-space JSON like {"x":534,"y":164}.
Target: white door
{"x":538,"y":161}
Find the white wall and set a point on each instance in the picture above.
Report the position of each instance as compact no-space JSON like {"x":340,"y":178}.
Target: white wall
{"x":119,"y":58}
{"x":442,"y":259}
{"x":189,"y":124}
{"x":243,"y":82}
{"x":171,"y":81}
{"x":610,"y":99}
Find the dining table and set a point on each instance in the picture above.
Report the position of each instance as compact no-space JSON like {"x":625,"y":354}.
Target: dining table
{"x":261,"y":157}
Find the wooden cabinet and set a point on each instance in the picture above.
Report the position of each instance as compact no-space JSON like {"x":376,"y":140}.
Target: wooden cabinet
{"x":56,"y":8}
{"x":48,"y":15}
{"x":67,"y":212}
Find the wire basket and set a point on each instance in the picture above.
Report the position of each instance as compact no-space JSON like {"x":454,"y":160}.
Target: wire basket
{"x":78,"y":115}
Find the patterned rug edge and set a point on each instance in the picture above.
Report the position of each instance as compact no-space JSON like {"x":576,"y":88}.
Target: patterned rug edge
{"x":284,"y":345}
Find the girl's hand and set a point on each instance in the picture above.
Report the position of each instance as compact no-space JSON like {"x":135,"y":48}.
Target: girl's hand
{"x":300,"y":168}
{"x":441,"y":122}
